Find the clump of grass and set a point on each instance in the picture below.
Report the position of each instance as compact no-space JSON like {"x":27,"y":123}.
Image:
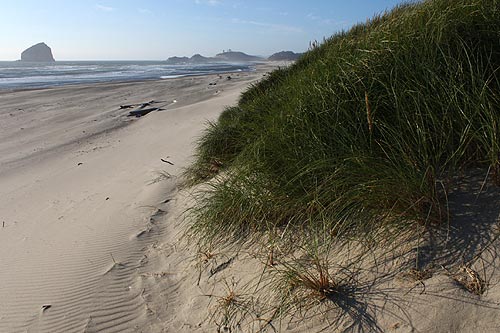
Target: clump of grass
{"x":231,"y":309}
{"x":308,"y":283}
{"x":417,"y":275}
{"x":313,"y":281}
{"x":470,"y":280}
{"x":361,"y":132}
{"x":219,"y":142}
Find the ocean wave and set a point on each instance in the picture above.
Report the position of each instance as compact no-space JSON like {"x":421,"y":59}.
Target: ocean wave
{"x":19,"y":75}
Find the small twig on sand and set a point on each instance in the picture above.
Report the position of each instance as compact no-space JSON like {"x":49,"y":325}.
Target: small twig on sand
{"x":165,"y":161}
{"x":221,"y":267}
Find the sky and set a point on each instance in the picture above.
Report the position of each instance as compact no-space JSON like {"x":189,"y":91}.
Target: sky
{"x":158,"y":29}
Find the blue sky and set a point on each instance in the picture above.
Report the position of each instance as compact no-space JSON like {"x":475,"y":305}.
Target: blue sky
{"x":158,"y":29}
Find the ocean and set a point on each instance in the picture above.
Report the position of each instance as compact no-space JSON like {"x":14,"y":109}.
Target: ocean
{"x":20,"y":75}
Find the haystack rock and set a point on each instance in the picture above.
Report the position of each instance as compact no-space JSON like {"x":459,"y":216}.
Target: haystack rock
{"x":38,"y":53}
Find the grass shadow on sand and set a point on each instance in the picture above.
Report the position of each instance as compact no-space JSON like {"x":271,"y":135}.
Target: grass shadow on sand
{"x":474,"y":206}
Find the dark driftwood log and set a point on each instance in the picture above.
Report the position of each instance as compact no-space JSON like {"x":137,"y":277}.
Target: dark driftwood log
{"x":142,"y":105}
{"x":128,"y":106}
{"x":141,"y":112}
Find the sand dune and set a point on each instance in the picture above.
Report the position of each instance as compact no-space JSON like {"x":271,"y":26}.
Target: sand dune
{"x":91,"y":227}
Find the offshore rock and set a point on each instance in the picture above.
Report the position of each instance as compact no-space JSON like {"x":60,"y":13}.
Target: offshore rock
{"x":38,"y":53}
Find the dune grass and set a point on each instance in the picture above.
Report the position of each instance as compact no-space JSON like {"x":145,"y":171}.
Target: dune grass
{"x":359,"y":142}
{"x":362,"y":134}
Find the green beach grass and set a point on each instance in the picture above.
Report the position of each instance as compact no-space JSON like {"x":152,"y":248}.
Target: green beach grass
{"x":360,"y":139}
{"x":364,"y":131}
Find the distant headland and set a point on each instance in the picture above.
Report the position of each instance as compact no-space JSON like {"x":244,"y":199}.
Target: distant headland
{"x":284,"y":56}
{"x":38,"y":53}
{"x":232,"y":56}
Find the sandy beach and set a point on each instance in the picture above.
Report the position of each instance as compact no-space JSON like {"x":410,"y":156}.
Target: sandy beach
{"x":233,"y":167}
{"x":84,"y":188}
{"x":92,"y":229}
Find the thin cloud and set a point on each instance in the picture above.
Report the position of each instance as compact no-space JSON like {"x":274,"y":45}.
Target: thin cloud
{"x":238,"y":5}
{"x":104,"y":8}
{"x":208,"y":2}
{"x":273,"y":26}
{"x":145,"y":11}
{"x":321,"y":20}
{"x":313,"y":17}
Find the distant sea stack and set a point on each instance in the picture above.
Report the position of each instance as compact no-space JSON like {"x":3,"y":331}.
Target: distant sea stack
{"x":38,"y":53}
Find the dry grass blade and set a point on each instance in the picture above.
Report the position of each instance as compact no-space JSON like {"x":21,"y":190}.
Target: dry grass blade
{"x":368,"y":113}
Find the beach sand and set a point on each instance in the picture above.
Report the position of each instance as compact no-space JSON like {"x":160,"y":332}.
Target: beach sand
{"x":83,"y":189}
{"x":92,"y":229}
{"x":233,"y":289}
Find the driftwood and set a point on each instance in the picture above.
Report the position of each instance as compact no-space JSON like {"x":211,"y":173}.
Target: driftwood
{"x":128,"y":106}
{"x":166,"y":161}
{"x":141,"y":112}
{"x":141,"y":109}
{"x":142,"y":105}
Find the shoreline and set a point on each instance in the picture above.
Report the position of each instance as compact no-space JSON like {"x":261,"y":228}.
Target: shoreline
{"x":83,"y":201}
{"x":184,"y":90}
{"x":117,"y":82}
{"x":252,"y":68}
